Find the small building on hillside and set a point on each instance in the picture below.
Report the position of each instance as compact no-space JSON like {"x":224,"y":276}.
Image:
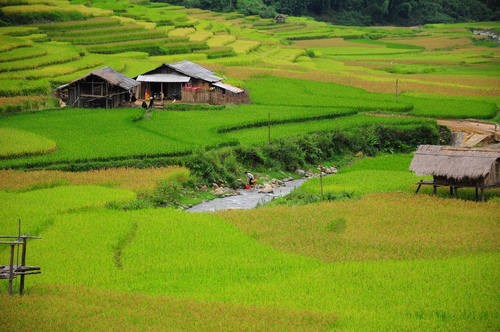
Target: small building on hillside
{"x":189,"y":82}
{"x":458,"y":167}
{"x":280,"y":18}
{"x":103,"y":87}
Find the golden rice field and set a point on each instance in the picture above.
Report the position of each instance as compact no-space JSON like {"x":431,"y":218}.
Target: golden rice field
{"x":122,"y":178}
{"x":382,"y":226}
{"x":434,"y":43}
{"x":384,"y":261}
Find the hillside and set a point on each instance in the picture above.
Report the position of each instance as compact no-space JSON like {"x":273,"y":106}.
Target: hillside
{"x":104,"y":188}
{"x":356,"y":12}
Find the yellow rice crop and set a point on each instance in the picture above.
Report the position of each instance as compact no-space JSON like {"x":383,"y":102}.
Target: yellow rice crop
{"x":432,"y":43}
{"x":181,"y":32}
{"x":17,"y":29}
{"x":121,"y":178}
{"x":383,"y":226}
{"x":200,"y":36}
{"x":220,"y":40}
{"x":8,"y":43}
{"x":244,"y":46}
{"x":330,"y":42}
{"x":41,"y":8}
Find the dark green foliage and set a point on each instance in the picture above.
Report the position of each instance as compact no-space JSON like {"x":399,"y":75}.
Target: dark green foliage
{"x":359,"y":12}
{"x":252,"y":157}
{"x":43,"y":17}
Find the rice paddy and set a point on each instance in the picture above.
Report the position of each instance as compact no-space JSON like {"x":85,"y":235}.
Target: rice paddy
{"x":384,"y":260}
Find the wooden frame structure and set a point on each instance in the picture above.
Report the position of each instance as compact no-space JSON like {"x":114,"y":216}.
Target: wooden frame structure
{"x":189,"y":82}
{"x":103,"y":87}
{"x":458,"y":167}
{"x":12,"y":270}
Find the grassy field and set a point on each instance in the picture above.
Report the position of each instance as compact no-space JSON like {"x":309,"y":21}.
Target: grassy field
{"x":387,"y":261}
{"x":384,"y":259}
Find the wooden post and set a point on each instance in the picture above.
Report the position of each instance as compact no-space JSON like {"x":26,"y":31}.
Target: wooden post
{"x":321,"y":180}
{"x":418,"y":188}
{"x":23,"y":263}
{"x":269,"y":128}
{"x":397,"y":83}
{"x":435,"y":190}
{"x":477,"y":197}
{"x":451,"y":191}
{"x":11,"y":268}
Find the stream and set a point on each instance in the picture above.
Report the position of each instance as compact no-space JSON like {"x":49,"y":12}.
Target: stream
{"x":248,"y":198}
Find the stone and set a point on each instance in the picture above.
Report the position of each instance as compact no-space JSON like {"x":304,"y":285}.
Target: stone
{"x":268,"y":189}
{"x":300,"y":172}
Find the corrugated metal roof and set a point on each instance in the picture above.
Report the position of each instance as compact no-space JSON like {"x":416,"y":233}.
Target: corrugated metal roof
{"x":110,"y":75}
{"x":167,"y":78}
{"x":227,"y":87}
{"x":192,"y":69}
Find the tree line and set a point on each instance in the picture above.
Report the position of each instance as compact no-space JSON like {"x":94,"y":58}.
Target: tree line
{"x":360,"y":12}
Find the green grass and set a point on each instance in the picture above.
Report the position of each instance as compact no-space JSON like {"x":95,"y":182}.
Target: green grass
{"x":383,"y":261}
{"x":55,"y":53}
{"x":380,"y":273}
{"x":91,"y":138}
{"x":15,"y":143}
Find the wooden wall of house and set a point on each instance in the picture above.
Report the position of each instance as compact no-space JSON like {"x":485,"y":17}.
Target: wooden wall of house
{"x":494,"y":177}
{"x":214,"y":97}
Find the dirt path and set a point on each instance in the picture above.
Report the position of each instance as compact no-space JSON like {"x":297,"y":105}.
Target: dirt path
{"x":473,"y":126}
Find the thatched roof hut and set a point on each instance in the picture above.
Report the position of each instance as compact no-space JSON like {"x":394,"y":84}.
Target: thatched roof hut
{"x":280,"y":18}
{"x":457,"y":166}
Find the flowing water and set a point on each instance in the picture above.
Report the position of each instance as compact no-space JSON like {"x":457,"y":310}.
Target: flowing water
{"x":248,"y":198}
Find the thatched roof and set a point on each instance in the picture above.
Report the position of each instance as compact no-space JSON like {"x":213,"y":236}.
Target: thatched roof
{"x":110,"y":75}
{"x":454,"y":162}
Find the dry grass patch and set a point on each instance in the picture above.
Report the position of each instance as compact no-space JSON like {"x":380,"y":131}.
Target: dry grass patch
{"x":74,"y":308}
{"x":330,"y":42}
{"x":432,"y":43}
{"x":122,"y":178}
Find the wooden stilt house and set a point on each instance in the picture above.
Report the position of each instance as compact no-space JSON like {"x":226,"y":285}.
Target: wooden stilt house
{"x":280,"y":18}
{"x":103,"y":87}
{"x":458,"y":167}
{"x":190,"y":83}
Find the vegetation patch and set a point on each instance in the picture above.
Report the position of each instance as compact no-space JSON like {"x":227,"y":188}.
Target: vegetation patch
{"x":16,"y":143}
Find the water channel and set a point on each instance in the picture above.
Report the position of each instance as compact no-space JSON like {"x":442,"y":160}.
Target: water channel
{"x":247,"y":199}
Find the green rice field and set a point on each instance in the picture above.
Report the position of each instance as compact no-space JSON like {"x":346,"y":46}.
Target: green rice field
{"x":378,"y":257}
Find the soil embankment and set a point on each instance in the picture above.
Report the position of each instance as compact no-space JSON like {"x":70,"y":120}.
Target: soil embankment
{"x":470,"y":133}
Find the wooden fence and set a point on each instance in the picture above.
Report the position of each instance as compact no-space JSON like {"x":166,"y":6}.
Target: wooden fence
{"x":214,"y":97}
